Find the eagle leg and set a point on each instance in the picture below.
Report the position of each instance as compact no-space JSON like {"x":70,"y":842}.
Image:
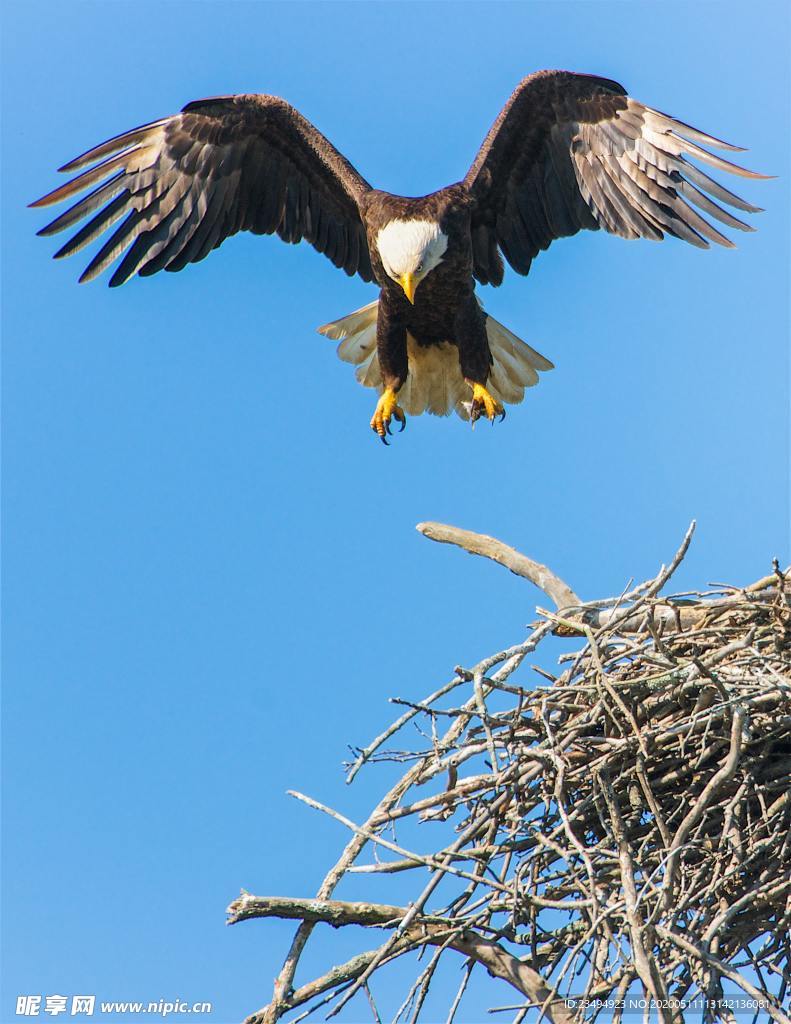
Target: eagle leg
{"x":386,"y":408}
{"x":484,"y":404}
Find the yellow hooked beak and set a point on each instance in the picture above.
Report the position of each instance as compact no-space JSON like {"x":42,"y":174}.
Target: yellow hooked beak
{"x":409,"y":283}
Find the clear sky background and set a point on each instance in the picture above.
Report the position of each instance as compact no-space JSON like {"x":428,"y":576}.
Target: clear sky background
{"x":212,"y":581}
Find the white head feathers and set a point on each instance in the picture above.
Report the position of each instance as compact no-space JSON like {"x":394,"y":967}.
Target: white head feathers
{"x":411,"y":247}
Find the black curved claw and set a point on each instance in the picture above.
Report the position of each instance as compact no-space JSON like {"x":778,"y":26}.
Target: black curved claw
{"x":403,"y":425}
{"x":387,"y":428}
{"x":384,"y":440}
{"x":502,"y":415}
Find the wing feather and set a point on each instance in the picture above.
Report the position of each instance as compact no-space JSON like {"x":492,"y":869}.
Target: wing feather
{"x":180,"y":245}
{"x":165,"y":221}
{"x":126,"y":140}
{"x":714,"y":188}
{"x":102,"y":194}
{"x":185,"y":183}
{"x":113,"y":247}
{"x":571,"y":151}
{"x":701,"y":200}
{"x":103,"y":220}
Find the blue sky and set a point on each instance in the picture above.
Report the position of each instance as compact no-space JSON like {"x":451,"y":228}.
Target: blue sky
{"x":212,"y":581}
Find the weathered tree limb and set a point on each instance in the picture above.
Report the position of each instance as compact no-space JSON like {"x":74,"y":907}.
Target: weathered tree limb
{"x":488,"y":547}
{"x":627,"y":617}
{"x":334,"y":912}
{"x":424,"y":930}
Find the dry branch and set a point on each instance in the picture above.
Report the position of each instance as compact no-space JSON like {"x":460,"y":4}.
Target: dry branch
{"x":623,"y":832}
{"x":428,"y":930}
{"x":519,"y":564}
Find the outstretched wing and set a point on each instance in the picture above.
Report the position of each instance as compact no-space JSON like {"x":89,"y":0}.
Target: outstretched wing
{"x":574,"y":151}
{"x":228,"y":164}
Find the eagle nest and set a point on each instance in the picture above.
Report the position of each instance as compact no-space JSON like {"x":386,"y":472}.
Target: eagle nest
{"x":616,"y":838}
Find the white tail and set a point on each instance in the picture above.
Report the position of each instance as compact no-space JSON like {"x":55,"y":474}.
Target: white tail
{"x":435,"y":383}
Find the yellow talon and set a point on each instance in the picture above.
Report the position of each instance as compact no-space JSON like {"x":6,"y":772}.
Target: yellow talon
{"x":484,"y":404}
{"x":386,"y":408}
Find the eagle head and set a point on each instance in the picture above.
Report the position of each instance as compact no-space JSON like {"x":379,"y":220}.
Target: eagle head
{"x":410,"y":249}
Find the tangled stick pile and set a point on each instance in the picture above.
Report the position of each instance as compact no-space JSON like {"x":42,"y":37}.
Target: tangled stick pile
{"x":620,"y":832}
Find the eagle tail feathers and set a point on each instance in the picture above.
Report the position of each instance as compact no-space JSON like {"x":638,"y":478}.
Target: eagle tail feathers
{"x":435,"y":383}
{"x":352,"y":326}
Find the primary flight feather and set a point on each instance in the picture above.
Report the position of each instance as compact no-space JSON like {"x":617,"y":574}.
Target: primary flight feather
{"x":567,"y":152}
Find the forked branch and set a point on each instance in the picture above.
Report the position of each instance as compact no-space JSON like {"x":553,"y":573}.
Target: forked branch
{"x":426,"y":930}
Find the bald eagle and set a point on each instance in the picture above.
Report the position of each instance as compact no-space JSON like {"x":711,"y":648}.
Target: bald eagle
{"x":568,"y":151}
